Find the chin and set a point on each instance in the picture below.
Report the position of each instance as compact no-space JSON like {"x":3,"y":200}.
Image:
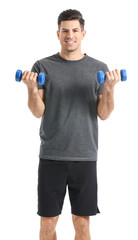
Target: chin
{"x":71,"y":50}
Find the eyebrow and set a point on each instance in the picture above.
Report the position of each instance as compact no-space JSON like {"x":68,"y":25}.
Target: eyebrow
{"x":67,"y":29}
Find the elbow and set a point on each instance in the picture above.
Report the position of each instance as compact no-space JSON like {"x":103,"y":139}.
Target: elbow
{"x":104,"y":117}
{"x":37,"y":114}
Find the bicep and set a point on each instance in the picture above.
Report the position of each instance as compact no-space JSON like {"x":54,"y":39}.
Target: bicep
{"x":42,"y":94}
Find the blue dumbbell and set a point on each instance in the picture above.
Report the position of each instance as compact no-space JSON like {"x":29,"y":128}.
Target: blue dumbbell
{"x":40,"y":79}
{"x":101,"y":76}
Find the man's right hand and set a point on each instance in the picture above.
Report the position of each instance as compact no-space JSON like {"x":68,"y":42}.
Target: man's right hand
{"x":30,"y":79}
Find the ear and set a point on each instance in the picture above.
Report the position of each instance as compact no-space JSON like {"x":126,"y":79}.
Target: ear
{"x":83,"y":34}
{"x":58,"y":34}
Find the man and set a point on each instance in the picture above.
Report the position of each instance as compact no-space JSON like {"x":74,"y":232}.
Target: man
{"x":69,"y":103}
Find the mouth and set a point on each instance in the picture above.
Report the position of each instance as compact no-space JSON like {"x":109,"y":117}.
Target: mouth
{"x":70,"y":43}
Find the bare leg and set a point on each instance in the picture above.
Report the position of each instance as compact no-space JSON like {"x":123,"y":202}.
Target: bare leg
{"x":47,"y":229}
{"x":82,"y":237}
{"x":81,"y":226}
{"x":44,"y":236}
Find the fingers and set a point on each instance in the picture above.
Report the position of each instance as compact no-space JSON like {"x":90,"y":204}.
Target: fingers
{"x":107,"y":75}
{"x":29,"y":78}
{"x":110,"y":75}
{"x":118,"y":75}
{"x":28,"y":75}
{"x":113,"y":76}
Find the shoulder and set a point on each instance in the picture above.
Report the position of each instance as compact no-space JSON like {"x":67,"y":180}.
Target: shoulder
{"x":96,"y":62}
{"x":48,"y":59}
{"x":44,"y":62}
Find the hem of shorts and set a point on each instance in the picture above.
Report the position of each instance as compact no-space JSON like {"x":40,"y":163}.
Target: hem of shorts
{"x":48,"y":215}
{"x":73,"y":211}
{"x":79,"y":214}
{"x":67,"y":158}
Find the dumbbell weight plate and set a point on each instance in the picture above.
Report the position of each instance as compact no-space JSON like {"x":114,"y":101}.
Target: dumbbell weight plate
{"x":18,"y":75}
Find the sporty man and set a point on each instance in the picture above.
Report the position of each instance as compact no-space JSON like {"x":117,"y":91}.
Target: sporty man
{"x":69,"y":103}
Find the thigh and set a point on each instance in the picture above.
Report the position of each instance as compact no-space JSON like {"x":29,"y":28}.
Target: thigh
{"x":82,"y":186}
{"x":52,"y":177}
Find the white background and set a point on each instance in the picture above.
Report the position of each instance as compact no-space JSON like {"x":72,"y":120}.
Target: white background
{"x":28,"y":33}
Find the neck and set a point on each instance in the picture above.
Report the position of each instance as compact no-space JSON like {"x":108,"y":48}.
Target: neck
{"x":71,"y":55}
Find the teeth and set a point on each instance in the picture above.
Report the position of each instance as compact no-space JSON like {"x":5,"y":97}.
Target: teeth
{"x":69,"y":41}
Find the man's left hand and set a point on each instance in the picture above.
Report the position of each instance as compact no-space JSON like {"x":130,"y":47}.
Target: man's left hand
{"x":112,"y":78}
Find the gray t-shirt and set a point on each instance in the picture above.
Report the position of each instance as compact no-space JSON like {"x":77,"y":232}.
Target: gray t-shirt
{"x":69,"y":127}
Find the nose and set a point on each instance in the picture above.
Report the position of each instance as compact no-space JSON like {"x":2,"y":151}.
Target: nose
{"x":70,"y":34}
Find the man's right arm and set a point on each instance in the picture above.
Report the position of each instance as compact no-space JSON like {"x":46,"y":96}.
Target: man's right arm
{"x":35,"y":97}
{"x":36,"y":103}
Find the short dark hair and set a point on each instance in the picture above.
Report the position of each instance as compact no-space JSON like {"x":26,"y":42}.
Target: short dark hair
{"x":71,"y":14}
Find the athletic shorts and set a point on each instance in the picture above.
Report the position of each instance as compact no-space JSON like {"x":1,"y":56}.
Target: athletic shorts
{"x":55,"y":176}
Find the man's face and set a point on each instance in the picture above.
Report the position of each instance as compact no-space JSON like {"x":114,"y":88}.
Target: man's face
{"x":70,"y":35}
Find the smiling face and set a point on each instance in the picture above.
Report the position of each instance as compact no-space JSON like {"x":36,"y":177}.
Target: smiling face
{"x":70,"y":35}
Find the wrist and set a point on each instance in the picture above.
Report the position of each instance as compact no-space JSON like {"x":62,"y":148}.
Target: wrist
{"x":109,"y":88}
{"x":32,"y":91}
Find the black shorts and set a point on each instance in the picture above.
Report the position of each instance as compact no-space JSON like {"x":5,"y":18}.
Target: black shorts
{"x":81,"y":179}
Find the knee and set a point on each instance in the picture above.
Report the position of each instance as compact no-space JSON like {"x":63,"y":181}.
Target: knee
{"x":81,"y":224}
{"x":48,"y":225}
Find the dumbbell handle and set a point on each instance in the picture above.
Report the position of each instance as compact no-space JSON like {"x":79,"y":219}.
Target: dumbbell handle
{"x":40,"y":79}
{"x":101,"y":76}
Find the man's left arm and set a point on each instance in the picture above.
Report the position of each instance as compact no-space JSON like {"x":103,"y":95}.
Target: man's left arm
{"x":106,"y":100}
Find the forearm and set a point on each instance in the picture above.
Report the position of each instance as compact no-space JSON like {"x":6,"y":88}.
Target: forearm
{"x":106,"y":104}
{"x":35,"y":103}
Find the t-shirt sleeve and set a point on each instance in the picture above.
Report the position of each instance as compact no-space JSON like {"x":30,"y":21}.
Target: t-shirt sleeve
{"x":36,"y":68}
{"x":101,"y":86}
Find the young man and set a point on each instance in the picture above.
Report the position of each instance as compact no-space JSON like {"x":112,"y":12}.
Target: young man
{"x":69,"y":103}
